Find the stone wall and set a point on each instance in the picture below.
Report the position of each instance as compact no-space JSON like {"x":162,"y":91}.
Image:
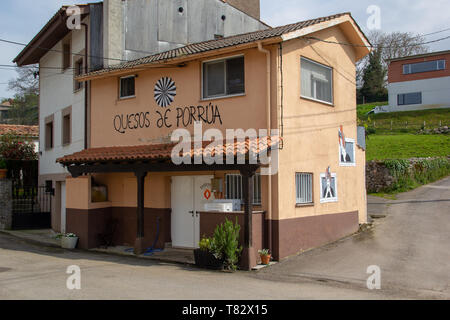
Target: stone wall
{"x":5,"y":204}
{"x":378,"y":177}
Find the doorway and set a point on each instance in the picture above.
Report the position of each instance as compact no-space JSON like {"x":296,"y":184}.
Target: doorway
{"x":189,"y":195}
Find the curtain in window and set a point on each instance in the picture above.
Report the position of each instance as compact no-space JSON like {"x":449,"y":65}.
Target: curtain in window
{"x":316,"y":81}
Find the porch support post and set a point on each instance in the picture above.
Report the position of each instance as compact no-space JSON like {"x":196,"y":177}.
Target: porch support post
{"x":138,"y":246}
{"x":248,"y":256}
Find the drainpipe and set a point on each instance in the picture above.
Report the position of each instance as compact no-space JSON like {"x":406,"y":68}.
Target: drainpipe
{"x":268,"y":117}
{"x":86,"y":70}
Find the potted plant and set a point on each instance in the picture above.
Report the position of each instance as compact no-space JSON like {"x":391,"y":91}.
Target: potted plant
{"x":265,"y":256}
{"x":68,"y":240}
{"x":204,"y":256}
{"x":3,"y":169}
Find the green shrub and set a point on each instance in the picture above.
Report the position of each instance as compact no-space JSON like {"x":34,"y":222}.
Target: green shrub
{"x":225,"y":244}
{"x":409,"y":175}
{"x":2,"y":164}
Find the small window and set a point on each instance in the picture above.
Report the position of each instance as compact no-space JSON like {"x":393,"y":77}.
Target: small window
{"x":304,"y":188}
{"x":49,"y":135}
{"x":441,"y":65}
{"x":66,"y":138}
{"x":409,"y":98}
{"x":67,"y":55}
{"x":78,"y":71}
{"x":127,"y":87}
{"x":223,"y":78}
{"x":316,"y":81}
{"x":234,"y":190}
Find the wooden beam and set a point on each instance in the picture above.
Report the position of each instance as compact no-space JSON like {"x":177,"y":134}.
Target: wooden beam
{"x":247,"y":186}
{"x":140,"y":234}
{"x":78,"y":170}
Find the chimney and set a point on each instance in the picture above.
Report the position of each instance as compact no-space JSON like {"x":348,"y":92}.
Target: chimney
{"x":250,"y":7}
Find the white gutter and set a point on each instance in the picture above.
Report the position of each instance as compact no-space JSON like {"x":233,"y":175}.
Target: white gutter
{"x":268,"y":117}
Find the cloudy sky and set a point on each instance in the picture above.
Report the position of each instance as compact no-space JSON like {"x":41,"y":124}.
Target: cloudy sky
{"x":20,"y":20}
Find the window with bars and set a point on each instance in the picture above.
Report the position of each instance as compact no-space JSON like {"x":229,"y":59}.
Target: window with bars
{"x":303,"y":188}
{"x":234,"y":190}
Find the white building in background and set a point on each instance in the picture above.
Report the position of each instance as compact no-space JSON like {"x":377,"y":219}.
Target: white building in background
{"x":419,"y":82}
{"x":111,"y":32}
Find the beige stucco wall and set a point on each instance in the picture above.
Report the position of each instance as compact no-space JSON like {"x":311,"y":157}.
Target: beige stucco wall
{"x":311,"y":130}
{"x":236,"y":112}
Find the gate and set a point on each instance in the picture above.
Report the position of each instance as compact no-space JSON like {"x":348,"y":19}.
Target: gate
{"x":31,"y":207}
{"x":31,"y":204}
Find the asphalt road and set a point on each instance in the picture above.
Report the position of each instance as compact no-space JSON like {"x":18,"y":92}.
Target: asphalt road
{"x":410,"y":245}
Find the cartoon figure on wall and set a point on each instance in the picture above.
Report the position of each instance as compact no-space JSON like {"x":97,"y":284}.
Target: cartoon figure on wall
{"x":346,"y":149}
{"x":328,"y":186}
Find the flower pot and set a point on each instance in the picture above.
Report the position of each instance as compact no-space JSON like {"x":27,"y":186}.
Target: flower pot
{"x":3,"y":173}
{"x":69,"y":242}
{"x":205,"y":259}
{"x":265,"y":259}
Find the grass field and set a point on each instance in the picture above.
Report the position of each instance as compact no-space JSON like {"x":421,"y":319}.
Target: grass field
{"x":402,"y":122}
{"x":403,"y":146}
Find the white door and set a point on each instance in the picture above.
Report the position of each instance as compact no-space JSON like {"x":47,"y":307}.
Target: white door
{"x":63,"y":207}
{"x":189,"y":194}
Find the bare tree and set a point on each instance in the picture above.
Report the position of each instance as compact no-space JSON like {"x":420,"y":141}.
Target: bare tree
{"x":392,"y":45}
{"x":27,"y":81}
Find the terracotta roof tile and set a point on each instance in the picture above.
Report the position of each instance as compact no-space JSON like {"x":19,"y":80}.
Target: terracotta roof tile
{"x":164,"y":151}
{"x":32,"y":131}
{"x":205,"y":46}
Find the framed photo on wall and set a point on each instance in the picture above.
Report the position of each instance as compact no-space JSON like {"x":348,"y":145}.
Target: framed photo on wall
{"x":328,"y":187}
{"x":346,"y":150}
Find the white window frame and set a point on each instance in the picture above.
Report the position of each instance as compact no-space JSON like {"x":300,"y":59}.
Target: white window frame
{"x":345,"y":164}
{"x":255,"y":187}
{"x":120,"y":87}
{"x":328,"y":200}
{"x":298,"y":202}
{"x":225,"y":79}
{"x":332,"y":82}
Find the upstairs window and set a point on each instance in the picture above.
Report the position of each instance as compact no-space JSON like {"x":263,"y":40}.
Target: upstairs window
{"x":316,"y":81}
{"x":78,"y":85}
{"x":223,"y":78}
{"x":409,"y":98}
{"x":67,"y":55}
{"x":424,"y":66}
{"x":66,"y":129}
{"x":49,"y":135}
{"x":127,"y":87}
{"x":234,"y":190}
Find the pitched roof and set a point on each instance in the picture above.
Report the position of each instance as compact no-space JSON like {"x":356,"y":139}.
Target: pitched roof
{"x":422,"y":55}
{"x":53,"y":31}
{"x":211,"y":45}
{"x":20,"y":130}
{"x":164,"y":151}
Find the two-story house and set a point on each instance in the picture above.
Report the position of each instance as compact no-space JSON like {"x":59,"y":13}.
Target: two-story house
{"x":295,"y":81}
{"x":90,"y":37}
{"x":419,"y":82}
